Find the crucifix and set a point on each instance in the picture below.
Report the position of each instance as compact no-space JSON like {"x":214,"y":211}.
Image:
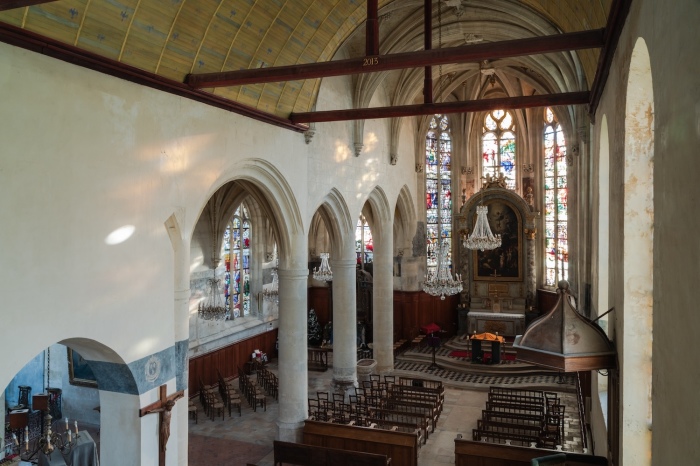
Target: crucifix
{"x":163,"y":406}
{"x":495,"y":274}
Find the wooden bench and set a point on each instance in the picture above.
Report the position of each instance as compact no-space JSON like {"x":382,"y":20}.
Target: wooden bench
{"x":432,"y":395}
{"x":411,"y":427}
{"x":400,"y":447}
{"x":520,"y":438}
{"x":515,"y":418}
{"x":308,"y":455}
{"x":469,"y":453}
{"x":426,"y":409}
{"x":515,"y":408}
{"x":421,"y":382}
{"x":520,"y":399}
{"x":420,"y":420}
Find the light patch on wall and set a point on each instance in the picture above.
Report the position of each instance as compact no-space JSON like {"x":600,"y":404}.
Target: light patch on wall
{"x":199,"y":260}
{"x":120,"y":235}
{"x":371,"y":141}
{"x":342,"y":152}
{"x":145,"y":346}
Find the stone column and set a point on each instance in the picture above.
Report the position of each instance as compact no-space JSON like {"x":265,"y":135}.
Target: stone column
{"x":383,"y":306}
{"x":293,"y":375}
{"x":344,"y":323}
{"x":181,"y":264}
{"x":531,"y":265}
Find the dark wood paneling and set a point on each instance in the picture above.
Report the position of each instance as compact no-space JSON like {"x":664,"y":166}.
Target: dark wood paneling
{"x":227,"y":359}
{"x":319,"y":299}
{"x":415,"y":309}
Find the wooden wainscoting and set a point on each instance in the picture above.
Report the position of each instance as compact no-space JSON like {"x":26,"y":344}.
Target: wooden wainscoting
{"x":227,"y":359}
{"x":417,"y":308}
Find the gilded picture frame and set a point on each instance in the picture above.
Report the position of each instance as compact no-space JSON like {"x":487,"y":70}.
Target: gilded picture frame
{"x":504,"y":264}
{"x":79,"y":372}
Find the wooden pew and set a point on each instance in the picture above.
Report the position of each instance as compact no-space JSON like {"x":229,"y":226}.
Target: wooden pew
{"x":406,"y":391}
{"x":400,"y":447}
{"x":426,"y":409}
{"x":308,"y":455}
{"x":470,"y":453}
{"x":420,"y":420}
{"x":515,"y":408}
{"x":412,"y":427}
{"x":515,"y":418}
{"x":421,"y":382}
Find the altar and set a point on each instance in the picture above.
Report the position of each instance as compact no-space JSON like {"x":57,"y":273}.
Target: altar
{"x":492,"y":322}
{"x":499,"y":284}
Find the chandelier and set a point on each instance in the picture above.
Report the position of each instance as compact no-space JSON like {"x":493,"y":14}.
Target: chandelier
{"x":323,"y":273}
{"x":50,"y":439}
{"x":441,"y":283}
{"x":482,"y":238}
{"x":273,"y":294}
{"x":212,"y":308}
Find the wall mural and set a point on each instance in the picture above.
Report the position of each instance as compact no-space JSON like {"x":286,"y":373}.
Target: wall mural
{"x":504,"y":263}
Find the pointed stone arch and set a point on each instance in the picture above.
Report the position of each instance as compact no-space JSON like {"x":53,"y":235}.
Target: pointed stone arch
{"x":264,"y":183}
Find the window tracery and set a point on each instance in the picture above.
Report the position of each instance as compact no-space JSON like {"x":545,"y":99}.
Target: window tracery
{"x":556,"y":190}
{"x":438,"y":194}
{"x":498,"y":146}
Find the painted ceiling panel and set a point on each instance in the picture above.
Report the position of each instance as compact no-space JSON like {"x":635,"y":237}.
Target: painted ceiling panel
{"x":173,"y":38}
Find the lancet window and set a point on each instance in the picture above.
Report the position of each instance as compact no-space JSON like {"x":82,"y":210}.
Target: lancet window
{"x":364,"y":247}
{"x":498,"y":146}
{"x":556,"y":202}
{"x":237,"y":257}
{"x":438,"y":193}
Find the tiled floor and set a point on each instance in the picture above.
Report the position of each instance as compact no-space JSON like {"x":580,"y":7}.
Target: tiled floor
{"x":248,"y":438}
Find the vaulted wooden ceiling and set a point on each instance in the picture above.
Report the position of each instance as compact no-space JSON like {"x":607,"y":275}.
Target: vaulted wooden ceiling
{"x":174,"y":38}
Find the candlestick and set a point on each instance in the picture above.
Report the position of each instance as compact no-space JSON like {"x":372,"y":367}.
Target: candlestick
{"x":14,"y":437}
{"x":76,"y":427}
{"x":66,"y":423}
{"x":69,"y":437}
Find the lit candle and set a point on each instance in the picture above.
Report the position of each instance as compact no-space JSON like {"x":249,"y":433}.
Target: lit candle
{"x":66,"y":423}
{"x":69,"y":438}
{"x":26,"y":434}
{"x":76,"y":427}
{"x":14,"y":437}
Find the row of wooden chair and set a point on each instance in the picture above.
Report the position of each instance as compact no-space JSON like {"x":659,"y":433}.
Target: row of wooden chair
{"x":227,"y":389}
{"x":210,"y":399}
{"x":267,"y":380}
{"x":253,"y":392}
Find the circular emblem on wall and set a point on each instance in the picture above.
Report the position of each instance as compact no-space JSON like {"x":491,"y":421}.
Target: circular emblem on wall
{"x":152,"y":369}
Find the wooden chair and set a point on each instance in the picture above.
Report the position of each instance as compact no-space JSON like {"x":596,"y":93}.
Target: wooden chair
{"x":215,"y":405}
{"x":192,"y":410}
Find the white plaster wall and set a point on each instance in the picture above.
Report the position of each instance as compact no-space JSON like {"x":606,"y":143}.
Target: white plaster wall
{"x":84,"y":154}
{"x":670,"y":31}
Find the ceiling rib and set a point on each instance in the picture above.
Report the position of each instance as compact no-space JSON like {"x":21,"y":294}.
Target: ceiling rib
{"x":467,"y":53}
{"x":543,"y":100}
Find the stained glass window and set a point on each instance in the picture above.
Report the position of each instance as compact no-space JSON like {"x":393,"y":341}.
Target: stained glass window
{"x":438,"y":194}
{"x":363,"y":236}
{"x":498,"y":146}
{"x":237,"y":257}
{"x":555,"y":201}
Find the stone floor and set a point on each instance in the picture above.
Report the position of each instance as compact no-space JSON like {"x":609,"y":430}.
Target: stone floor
{"x":248,"y":438}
